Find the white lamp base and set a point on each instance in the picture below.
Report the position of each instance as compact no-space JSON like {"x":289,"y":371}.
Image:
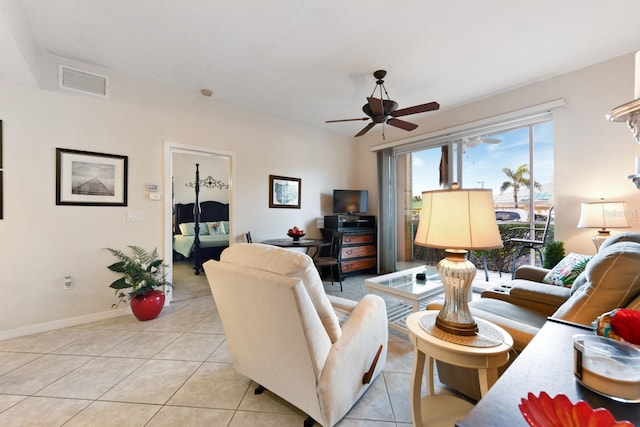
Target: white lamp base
{"x":457,"y":274}
{"x":599,"y":238}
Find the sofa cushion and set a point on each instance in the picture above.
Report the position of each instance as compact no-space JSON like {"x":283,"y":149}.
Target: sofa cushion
{"x":611,"y":280}
{"x":567,"y":270}
{"x":288,"y":263}
{"x":627,"y":236}
{"x":533,"y":295}
{"x":635,"y":304}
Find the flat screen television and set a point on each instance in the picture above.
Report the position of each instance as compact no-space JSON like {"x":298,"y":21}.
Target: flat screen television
{"x":350,"y":201}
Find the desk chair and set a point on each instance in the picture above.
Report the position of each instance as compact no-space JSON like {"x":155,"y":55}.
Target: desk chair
{"x":333,"y":261}
{"x":537,"y":239}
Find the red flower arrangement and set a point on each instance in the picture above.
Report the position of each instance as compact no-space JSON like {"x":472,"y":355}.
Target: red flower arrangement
{"x":544,"y":411}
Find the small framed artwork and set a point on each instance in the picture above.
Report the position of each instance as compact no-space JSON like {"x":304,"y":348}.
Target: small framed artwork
{"x":284,"y":192}
{"x":90,"y":179}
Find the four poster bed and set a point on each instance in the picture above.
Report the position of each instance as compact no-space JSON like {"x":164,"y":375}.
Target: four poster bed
{"x":202,"y":233}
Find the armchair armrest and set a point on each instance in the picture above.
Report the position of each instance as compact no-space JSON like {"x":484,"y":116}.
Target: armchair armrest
{"x":542,"y":293}
{"x":541,"y":297}
{"x":353,"y":354}
{"x":342,"y":304}
{"x":530,"y":272}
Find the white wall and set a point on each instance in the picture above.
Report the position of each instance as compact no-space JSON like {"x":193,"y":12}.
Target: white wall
{"x":42,"y":242}
{"x":592,"y":156}
{"x":184,"y":172}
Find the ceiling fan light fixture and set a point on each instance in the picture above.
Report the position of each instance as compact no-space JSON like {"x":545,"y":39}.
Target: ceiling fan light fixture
{"x":384,"y":111}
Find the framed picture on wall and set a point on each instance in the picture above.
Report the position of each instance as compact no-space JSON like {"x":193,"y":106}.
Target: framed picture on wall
{"x":284,"y":192}
{"x":90,"y":179}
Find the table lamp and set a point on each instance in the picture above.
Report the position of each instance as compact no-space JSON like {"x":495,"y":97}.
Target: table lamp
{"x":602,"y":215}
{"x":457,"y":220}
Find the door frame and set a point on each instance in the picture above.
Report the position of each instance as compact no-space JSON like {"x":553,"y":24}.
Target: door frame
{"x":171,"y":147}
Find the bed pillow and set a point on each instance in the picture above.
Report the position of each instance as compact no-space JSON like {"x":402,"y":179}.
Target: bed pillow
{"x":189,"y":228}
{"x":567,"y":270}
{"x":217,"y":227}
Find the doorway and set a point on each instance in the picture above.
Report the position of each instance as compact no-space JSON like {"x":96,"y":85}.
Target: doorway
{"x":174,"y":155}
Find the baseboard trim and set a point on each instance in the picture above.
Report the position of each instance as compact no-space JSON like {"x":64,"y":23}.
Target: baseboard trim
{"x":63,"y":323}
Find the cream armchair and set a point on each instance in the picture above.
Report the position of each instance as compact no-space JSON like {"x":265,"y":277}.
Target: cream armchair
{"x":284,"y":334}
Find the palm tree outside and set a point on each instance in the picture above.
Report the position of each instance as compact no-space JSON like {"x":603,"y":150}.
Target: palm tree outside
{"x":517,"y":179}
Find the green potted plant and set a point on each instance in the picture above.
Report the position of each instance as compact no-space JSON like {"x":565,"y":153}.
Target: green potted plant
{"x":553,"y":253}
{"x":143,"y":276}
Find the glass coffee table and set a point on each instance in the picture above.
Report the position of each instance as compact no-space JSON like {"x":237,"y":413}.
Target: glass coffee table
{"x":404,"y":294}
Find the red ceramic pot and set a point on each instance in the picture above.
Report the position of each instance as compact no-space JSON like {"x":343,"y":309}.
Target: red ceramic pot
{"x":149,"y":306}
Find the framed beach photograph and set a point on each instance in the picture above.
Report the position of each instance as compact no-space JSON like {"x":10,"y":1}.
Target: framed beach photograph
{"x":284,"y":192}
{"x":90,"y":179}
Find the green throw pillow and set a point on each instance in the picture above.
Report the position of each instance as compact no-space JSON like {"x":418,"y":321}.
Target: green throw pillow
{"x":567,"y":270}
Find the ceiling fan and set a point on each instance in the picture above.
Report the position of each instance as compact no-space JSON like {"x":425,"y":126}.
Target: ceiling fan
{"x":383,"y":111}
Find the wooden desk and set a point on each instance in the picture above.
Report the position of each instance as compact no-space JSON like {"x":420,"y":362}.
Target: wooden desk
{"x":546,"y":364}
{"x":444,"y":410}
{"x":302,"y":243}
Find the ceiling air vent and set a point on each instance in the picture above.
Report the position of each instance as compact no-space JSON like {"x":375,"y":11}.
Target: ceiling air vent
{"x":82,"y":81}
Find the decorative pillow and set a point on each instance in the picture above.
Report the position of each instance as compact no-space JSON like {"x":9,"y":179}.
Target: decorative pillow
{"x":567,"y":270}
{"x":188,"y":228}
{"x":217,"y":228}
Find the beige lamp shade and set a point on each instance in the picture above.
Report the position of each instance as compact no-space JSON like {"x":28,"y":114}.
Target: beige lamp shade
{"x":603,"y":215}
{"x":458,"y":219}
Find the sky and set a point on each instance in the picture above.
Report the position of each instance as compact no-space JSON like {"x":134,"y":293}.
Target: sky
{"x":483,"y":164}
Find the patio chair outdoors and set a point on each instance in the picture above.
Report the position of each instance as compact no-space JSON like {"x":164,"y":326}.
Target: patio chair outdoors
{"x":534,"y":239}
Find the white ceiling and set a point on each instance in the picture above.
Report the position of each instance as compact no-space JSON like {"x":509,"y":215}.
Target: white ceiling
{"x":312,"y":60}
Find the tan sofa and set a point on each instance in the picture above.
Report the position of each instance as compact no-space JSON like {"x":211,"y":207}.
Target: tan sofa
{"x":611,"y":279}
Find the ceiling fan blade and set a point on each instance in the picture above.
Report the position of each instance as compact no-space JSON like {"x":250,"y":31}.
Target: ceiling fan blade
{"x":376,"y":106}
{"x":366,"y":129}
{"x":346,"y":120}
{"x":402,"y":124}
{"x":422,"y":108}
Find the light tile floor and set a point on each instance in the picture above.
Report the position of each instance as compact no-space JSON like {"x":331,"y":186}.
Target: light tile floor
{"x":173,"y":370}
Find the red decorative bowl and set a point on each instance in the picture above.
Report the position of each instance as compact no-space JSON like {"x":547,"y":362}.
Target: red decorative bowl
{"x":543,"y":411}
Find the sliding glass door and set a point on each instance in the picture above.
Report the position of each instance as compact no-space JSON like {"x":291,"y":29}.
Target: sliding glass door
{"x":515,"y":162}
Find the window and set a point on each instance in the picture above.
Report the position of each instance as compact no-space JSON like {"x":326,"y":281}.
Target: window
{"x":513,"y":158}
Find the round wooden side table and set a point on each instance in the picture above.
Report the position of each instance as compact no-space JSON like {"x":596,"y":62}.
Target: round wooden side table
{"x":485,"y":352}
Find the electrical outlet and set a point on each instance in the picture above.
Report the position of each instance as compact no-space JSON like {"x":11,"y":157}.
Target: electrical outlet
{"x":68,"y":283}
{"x":135,"y":216}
